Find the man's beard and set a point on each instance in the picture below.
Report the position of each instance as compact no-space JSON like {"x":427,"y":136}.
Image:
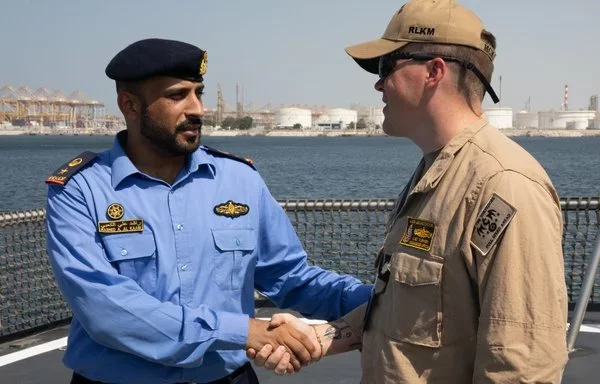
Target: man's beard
{"x":159,"y":135}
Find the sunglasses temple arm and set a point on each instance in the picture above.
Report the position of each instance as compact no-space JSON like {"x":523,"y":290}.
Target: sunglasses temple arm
{"x":486,"y":84}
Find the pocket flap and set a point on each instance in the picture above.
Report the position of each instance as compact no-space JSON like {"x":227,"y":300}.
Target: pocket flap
{"x":129,"y":246}
{"x":415,"y":271}
{"x":234,"y":239}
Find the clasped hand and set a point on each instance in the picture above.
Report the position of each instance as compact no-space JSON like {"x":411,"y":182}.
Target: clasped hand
{"x":283,"y":345}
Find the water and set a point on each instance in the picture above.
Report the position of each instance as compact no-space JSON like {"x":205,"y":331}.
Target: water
{"x":293,"y":167}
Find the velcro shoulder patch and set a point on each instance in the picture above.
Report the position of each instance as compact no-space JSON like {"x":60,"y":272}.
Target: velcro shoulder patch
{"x":217,"y":152}
{"x":62,"y":175}
{"x":492,"y":221}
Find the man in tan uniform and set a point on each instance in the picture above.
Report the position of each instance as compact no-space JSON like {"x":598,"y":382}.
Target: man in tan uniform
{"x":470,"y":284}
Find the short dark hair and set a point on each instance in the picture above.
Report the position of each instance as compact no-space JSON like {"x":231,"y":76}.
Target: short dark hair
{"x":128,"y":86}
{"x":467,"y":82}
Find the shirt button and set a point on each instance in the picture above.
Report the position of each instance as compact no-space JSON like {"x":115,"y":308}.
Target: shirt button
{"x":184,"y":267}
{"x":179,"y":227}
{"x":237,"y":241}
{"x":123,"y":252}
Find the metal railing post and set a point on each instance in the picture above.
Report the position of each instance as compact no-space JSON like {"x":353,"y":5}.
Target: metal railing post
{"x":584,"y":296}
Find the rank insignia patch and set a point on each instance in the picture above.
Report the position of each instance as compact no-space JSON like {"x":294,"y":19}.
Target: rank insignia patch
{"x":418,"y":234}
{"x":62,"y":175}
{"x":115,"y":211}
{"x":491,"y":222}
{"x":231,"y":209}
{"x":121,"y":226}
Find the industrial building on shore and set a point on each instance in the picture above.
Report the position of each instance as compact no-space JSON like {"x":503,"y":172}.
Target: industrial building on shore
{"x":563,"y":119}
{"x":53,"y":112}
{"x":503,"y":118}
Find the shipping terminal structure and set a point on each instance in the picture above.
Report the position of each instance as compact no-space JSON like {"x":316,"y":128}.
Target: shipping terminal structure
{"x":50,"y":111}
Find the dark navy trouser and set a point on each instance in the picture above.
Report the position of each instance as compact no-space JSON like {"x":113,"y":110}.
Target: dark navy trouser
{"x":243,"y":375}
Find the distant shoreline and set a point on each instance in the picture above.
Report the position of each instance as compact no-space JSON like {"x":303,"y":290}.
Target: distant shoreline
{"x":36,"y":131}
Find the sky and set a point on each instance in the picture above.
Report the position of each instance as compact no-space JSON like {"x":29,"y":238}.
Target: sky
{"x":291,"y":52}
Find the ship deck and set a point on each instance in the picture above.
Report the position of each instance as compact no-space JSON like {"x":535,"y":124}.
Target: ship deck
{"x":38,"y":359}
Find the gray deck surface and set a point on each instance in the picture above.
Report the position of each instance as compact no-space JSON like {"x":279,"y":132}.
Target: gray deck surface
{"x":47,"y":368}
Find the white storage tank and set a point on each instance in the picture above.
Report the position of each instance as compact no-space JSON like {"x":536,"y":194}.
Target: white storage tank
{"x":500,"y":118}
{"x":343,"y":117}
{"x":289,"y":117}
{"x":376,"y":116}
{"x":525,"y":119}
{"x":322,"y":119}
{"x":566,"y":119}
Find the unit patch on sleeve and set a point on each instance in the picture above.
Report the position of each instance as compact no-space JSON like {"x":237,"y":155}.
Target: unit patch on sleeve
{"x":492,"y":221}
{"x":67,"y":170}
{"x":231,"y":209}
{"x":418,"y":234}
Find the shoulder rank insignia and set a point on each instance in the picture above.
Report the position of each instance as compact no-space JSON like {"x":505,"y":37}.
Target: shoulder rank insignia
{"x":231,"y":209}
{"x":492,"y":221}
{"x":62,"y":175}
{"x":418,"y":234}
{"x":217,"y":152}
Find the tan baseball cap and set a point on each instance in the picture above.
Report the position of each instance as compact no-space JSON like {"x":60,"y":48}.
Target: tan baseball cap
{"x":424,"y":21}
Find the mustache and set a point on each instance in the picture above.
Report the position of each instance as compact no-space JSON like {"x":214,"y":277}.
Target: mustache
{"x":189,"y":125}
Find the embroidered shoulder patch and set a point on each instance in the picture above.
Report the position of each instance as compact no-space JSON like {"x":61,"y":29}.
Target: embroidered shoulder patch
{"x":418,"y":234}
{"x":492,"y":221}
{"x":67,"y":170}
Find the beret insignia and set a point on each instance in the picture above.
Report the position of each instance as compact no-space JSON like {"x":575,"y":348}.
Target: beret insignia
{"x":203,"y":64}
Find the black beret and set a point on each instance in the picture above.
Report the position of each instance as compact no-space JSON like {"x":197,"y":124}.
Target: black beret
{"x":158,"y":57}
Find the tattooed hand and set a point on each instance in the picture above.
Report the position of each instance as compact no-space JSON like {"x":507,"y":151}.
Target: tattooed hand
{"x":329,"y":339}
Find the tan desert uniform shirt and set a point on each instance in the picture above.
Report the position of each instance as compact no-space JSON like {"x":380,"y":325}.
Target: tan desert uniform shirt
{"x":476,"y":290}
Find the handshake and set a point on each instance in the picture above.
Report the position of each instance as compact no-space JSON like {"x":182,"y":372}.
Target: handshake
{"x":286,"y":343}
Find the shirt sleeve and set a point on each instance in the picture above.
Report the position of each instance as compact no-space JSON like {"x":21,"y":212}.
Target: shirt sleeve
{"x":283,"y":274}
{"x":522,"y":293}
{"x":356,"y":318}
{"x":112,"y":308}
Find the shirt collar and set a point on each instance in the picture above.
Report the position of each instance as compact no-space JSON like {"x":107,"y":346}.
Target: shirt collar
{"x":201,"y":157}
{"x":444,"y":159}
{"x":122,"y":167}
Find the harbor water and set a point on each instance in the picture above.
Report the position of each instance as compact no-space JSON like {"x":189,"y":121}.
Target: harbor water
{"x":297,"y":167}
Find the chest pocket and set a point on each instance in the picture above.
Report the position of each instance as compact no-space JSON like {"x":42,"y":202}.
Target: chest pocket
{"x":230,"y":261}
{"x":134,"y":256}
{"x":412,"y":301}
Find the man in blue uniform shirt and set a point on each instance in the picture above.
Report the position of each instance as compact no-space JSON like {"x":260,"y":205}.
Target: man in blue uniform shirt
{"x":158,"y":243}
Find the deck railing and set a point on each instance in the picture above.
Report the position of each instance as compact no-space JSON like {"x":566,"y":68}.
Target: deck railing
{"x":339,"y":235}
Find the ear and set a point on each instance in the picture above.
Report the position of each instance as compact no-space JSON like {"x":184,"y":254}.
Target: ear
{"x":129,"y":104}
{"x":437,"y":69}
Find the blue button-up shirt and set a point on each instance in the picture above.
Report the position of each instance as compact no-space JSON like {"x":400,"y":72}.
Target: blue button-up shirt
{"x":172,"y":303}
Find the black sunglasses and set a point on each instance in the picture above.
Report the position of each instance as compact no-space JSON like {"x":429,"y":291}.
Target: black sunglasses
{"x":387,"y":64}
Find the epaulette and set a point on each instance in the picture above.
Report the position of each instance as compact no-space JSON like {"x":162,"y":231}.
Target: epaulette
{"x":62,"y":175}
{"x":228,"y":155}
